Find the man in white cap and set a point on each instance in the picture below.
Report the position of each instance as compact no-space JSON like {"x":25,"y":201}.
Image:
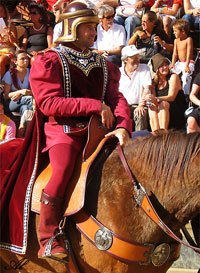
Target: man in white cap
{"x":135,"y":82}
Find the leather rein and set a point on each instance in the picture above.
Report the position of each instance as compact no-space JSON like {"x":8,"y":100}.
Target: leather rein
{"x":143,"y":201}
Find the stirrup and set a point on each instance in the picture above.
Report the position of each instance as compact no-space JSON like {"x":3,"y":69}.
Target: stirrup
{"x":49,"y":244}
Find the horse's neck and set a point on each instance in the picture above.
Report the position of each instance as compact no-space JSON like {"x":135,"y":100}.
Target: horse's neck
{"x":117,"y":208}
{"x":180,"y":195}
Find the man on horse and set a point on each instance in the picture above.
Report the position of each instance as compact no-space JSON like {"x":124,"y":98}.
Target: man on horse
{"x":71,"y":83}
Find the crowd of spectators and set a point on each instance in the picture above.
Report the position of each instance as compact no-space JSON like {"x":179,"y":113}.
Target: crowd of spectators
{"x":149,"y":40}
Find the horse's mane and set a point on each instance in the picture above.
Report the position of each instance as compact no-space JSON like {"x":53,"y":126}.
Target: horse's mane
{"x":165,"y":154}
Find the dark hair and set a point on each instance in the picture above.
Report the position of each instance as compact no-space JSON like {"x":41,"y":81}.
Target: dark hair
{"x":151,"y":15}
{"x":41,"y":10}
{"x":19,"y":51}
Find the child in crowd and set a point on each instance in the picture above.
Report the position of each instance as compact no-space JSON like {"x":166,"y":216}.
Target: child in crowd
{"x":166,"y":11}
{"x":182,"y":58}
{"x":7,"y":126}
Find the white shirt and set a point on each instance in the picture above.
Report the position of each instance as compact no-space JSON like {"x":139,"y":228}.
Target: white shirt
{"x":132,"y":88}
{"x":195,"y":4}
{"x":57,"y":31}
{"x":107,"y":40}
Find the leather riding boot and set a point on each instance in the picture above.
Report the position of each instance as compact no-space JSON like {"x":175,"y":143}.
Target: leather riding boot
{"x":52,"y":242}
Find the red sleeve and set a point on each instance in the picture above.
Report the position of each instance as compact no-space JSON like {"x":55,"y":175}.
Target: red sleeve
{"x":180,"y":2}
{"x":47,"y":86}
{"x":116,"y":100}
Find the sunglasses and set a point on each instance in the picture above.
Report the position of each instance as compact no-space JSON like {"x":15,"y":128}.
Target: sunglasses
{"x":34,"y":12}
{"x":109,"y":17}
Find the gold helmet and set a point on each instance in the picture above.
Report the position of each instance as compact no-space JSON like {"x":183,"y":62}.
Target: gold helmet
{"x":76,"y":13}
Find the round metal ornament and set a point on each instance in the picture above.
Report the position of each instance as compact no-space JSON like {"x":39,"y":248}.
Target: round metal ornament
{"x":103,"y":239}
{"x":160,"y":254}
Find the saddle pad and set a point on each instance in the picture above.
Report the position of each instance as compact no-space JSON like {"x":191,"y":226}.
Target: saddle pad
{"x":76,"y":193}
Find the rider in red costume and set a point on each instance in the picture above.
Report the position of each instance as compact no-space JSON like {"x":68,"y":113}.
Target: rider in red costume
{"x":71,"y":83}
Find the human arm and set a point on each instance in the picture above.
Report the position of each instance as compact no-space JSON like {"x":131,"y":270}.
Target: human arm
{"x":169,"y":10}
{"x":10,"y":92}
{"x":112,"y":3}
{"x":139,"y":4}
{"x":12,"y":34}
{"x":157,"y":4}
{"x":174,"y":55}
{"x":188,"y":8}
{"x":11,"y":130}
{"x":15,"y":95}
{"x":47,"y":87}
{"x":189,"y":54}
{"x":195,"y":91}
{"x":174,"y":88}
{"x":118,"y":105}
{"x":138,"y":34}
{"x":25,"y":40}
{"x":50,"y":37}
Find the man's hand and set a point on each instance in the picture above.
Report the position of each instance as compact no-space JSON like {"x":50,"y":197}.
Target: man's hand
{"x":107,"y":117}
{"x":122,"y":135}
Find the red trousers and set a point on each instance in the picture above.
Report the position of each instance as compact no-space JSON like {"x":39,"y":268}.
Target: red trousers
{"x":63,"y":158}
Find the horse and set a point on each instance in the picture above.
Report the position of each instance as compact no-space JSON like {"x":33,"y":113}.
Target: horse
{"x":167,"y":165}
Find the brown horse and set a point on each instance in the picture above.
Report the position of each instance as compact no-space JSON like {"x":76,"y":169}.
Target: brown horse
{"x":168,"y":166}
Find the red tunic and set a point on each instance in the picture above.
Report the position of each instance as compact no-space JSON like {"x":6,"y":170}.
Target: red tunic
{"x":85,"y":93}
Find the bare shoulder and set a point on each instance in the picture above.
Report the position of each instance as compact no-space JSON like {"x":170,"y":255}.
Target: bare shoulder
{"x":174,"y":78}
{"x":189,"y":40}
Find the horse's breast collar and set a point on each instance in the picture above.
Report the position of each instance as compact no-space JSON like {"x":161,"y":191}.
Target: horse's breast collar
{"x":120,"y":248}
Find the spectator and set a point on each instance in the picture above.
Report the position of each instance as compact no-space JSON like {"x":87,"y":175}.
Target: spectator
{"x":25,"y":121}
{"x":169,"y":102}
{"x":151,"y":38}
{"x":7,"y":126}
{"x":17,"y":87}
{"x":135,"y":80}
{"x":111,"y":37}
{"x":193,"y":120}
{"x":8,"y":32}
{"x":129,"y":16}
{"x":192,"y":13}
{"x":182,"y":58}
{"x":8,"y":39}
{"x":166,"y":11}
{"x":39,"y":36}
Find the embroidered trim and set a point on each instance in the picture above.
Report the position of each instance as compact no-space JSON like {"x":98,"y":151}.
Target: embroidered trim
{"x":28,"y":198}
{"x":14,"y":248}
{"x":105,"y":73}
{"x":66,"y":73}
{"x":84,"y":61}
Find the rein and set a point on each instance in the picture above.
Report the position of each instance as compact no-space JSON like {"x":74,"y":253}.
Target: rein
{"x":142,"y":199}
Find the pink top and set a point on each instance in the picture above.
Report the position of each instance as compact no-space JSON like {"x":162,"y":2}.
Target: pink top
{"x":10,"y":129}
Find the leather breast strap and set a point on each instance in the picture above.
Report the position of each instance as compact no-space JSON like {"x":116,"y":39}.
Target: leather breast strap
{"x":120,"y":248}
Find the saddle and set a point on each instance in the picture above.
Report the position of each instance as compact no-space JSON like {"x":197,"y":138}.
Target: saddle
{"x":93,"y":150}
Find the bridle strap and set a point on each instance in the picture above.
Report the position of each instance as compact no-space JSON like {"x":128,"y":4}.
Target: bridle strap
{"x":144,"y":202}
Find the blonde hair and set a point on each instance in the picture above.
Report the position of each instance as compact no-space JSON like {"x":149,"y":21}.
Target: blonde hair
{"x":182,"y":25}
